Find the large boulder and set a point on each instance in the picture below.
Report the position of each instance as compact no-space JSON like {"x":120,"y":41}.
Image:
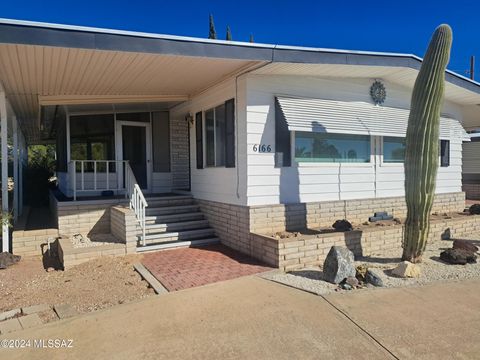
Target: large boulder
{"x":407,"y":269}
{"x":458,"y":256}
{"x":338,"y":265}
{"x":7,"y":259}
{"x":465,"y":245}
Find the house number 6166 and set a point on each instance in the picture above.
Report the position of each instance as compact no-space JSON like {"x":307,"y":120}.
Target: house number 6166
{"x":262,"y":148}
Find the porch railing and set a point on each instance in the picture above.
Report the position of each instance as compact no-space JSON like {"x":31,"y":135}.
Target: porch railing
{"x":137,"y":200}
{"x":95,"y":175}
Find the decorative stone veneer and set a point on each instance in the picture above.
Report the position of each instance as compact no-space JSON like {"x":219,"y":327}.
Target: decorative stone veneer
{"x":273,"y":218}
{"x":472,"y":191}
{"x":299,"y":252}
{"x":179,"y":153}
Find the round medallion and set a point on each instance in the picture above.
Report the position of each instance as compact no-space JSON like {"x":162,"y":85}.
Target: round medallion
{"x":378,"y":92}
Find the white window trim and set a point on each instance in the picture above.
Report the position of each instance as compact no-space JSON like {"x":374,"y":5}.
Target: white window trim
{"x":313,"y":164}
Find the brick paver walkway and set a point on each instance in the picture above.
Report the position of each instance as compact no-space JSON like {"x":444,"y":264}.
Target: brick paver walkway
{"x":190,"y":267}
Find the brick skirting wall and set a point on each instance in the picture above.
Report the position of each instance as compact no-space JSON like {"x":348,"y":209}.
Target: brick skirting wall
{"x":273,"y":218}
{"x":84,"y":216}
{"x":30,"y":242}
{"x":230,"y":222}
{"x":124,"y":227}
{"x":299,"y":252}
{"x":472,"y":191}
{"x":237,"y":226}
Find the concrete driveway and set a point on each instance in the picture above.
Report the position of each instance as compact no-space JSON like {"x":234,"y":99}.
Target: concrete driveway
{"x":252,"y":318}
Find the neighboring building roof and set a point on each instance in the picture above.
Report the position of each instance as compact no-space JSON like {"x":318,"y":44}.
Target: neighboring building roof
{"x":47,"y":34}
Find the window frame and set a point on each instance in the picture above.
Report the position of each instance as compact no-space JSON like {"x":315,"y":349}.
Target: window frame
{"x":382,"y":153}
{"x":296,"y":163}
{"x":204,"y":134}
{"x":383,"y":163}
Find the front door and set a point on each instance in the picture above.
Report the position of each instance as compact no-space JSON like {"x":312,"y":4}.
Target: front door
{"x":135,"y":147}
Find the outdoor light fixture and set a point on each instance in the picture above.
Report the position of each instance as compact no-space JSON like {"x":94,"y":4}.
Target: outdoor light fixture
{"x":189,"y":119}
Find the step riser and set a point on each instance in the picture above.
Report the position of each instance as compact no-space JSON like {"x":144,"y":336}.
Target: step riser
{"x":179,"y":244}
{"x":161,"y":238}
{"x":180,"y":227}
{"x":170,"y":210}
{"x":164,"y":203}
{"x":165,"y":219}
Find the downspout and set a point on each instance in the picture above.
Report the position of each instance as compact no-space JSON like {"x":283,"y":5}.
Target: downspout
{"x":236,"y":116}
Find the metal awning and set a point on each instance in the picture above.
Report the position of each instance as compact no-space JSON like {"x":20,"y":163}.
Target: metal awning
{"x":354,"y":117}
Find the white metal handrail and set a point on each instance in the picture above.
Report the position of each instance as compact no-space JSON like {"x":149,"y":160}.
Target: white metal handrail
{"x":97,"y":178}
{"x":137,"y":200}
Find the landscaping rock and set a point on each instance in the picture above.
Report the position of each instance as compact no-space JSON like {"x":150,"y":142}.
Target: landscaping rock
{"x":342,"y":225}
{"x":7,"y":259}
{"x":458,"y":256}
{"x":361,"y":271}
{"x":372,"y":278}
{"x":465,"y":245}
{"x":407,"y":269}
{"x":346,"y":286}
{"x":352,"y":281}
{"x":338,"y":265}
{"x":474,"y":209}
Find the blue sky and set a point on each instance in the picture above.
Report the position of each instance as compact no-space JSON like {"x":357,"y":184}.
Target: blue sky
{"x":400,"y":26}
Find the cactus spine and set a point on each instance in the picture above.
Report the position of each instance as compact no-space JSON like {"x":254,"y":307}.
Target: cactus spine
{"x":421,"y":154}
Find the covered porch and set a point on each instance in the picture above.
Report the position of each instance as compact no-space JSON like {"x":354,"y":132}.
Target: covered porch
{"x":103,"y":99}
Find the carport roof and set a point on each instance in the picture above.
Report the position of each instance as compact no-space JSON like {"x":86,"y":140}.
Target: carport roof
{"x":42,"y":63}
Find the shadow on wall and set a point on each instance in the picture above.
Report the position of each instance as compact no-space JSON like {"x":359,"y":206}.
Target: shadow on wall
{"x":289,"y":186}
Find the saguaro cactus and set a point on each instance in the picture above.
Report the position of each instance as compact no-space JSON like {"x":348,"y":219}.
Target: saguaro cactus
{"x":421,"y":154}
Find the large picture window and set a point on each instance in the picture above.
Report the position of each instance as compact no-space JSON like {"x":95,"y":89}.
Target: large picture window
{"x":92,"y":138}
{"x":332,"y":148}
{"x":215,"y":136}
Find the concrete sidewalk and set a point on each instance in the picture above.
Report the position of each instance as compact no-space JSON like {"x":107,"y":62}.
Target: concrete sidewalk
{"x":251,"y":318}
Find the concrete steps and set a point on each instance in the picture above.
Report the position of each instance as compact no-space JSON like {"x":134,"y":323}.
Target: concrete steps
{"x":174,"y":221}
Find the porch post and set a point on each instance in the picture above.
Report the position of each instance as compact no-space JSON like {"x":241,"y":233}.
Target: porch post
{"x":15,"y":168}
{"x":20,"y":173}
{"x":4,"y":177}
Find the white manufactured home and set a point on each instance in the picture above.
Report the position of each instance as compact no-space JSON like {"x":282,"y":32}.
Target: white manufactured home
{"x":211,"y":140}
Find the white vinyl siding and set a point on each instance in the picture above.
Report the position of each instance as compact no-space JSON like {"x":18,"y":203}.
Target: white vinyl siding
{"x":309,"y":182}
{"x":226,"y":185}
{"x":471,"y":158}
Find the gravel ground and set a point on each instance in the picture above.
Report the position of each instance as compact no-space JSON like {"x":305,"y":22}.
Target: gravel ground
{"x":82,"y":241}
{"x":432,"y":270}
{"x":90,"y":286}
